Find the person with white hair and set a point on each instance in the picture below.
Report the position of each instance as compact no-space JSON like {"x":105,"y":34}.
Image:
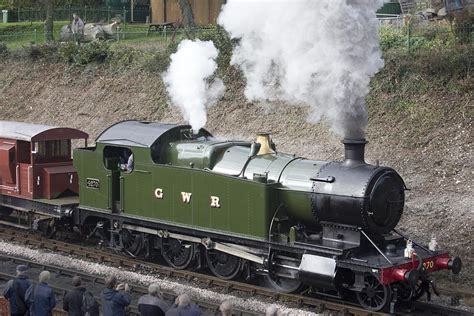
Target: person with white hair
{"x":273,"y":310}
{"x":226,"y":308}
{"x":15,"y":291}
{"x":40,"y":297}
{"x":152,"y":303}
{"x":183,"y":307}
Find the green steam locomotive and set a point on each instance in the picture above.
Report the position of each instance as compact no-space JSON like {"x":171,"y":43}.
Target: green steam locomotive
{"x":244,"y":209}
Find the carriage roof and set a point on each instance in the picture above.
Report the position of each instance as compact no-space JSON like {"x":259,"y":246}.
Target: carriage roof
{"x":36,"y":132}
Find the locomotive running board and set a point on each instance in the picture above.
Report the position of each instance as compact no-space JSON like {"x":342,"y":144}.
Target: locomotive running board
{"x":206,"y":242}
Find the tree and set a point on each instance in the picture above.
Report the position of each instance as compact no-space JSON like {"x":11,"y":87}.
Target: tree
{"x":48,"y":23}
{"x":188,"y":17}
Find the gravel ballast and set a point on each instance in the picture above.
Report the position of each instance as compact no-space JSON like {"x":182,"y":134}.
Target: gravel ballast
{"x":102,"y":270}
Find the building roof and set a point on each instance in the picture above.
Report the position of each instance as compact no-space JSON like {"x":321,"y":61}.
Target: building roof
{"x":135,"y":133}
{"x":35,"y":132}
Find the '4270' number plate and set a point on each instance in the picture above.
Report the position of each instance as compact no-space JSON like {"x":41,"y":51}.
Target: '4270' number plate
{"x":92,"y":183}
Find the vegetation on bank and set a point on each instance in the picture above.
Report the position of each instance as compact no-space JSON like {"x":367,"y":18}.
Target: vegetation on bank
{"x":435,"y":59}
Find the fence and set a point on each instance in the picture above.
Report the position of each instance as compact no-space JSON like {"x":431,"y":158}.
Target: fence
{"x":395,"y":33}
{"x":33,"y":33}
{"x":412,"y":34}
{"x":88,"y":14}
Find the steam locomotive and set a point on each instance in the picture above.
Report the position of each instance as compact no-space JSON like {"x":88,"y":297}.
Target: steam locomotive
{"x":241,"y":209}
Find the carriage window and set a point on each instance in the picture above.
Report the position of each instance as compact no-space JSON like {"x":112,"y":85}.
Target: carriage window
{"x":52,"y":149}
{"x":59,"y":148}
{"x":40,"y":149}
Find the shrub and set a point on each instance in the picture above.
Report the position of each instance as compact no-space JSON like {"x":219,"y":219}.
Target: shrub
{"x":422,"y":70}
{"x":67,"y":51}
{"x":93,"y":52}
{"x":46,"y":51}
{"x":156,"y":62}
{"x":123,"y":57}
{"x":391,"y":37}
{"x":3,"y":50}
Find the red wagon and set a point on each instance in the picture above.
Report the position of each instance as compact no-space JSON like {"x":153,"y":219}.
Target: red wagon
{"x":36,"y":167}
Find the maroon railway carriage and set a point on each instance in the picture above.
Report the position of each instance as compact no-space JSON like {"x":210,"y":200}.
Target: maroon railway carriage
{"x":36,"y":167}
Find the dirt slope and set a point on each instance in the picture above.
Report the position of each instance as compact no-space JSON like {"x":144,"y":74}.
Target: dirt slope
{"x":429,"y":141}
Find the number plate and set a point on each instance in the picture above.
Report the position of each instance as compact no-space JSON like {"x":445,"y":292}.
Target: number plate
{"x":92,"y":183}
{"x":428,"y":265}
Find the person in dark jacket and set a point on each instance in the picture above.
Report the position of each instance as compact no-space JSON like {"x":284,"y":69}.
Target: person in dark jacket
{"x":15,"y":292}
{"x":152,"y":304}
{"x":183,"y":307}
{"x":115,"y":298}
{"x":40,"y":297}
{"x":73,"y":301}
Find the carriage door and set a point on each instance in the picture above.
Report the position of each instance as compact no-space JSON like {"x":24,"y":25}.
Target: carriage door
{"x":115,"y":160}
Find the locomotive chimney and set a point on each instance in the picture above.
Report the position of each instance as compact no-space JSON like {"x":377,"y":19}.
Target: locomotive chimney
{"x":354,"y":151}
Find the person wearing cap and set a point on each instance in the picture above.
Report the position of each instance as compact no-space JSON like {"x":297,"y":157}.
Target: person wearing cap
{"x":15,"y":291}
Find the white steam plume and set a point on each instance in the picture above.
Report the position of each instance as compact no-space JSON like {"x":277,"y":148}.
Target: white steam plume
{"x":189,"y":80}
{"x":318,"y":52}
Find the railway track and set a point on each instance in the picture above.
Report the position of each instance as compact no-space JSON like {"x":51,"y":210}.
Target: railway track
{"x":207,"y":281}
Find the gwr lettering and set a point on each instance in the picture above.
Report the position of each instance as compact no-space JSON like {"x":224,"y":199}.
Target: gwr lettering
{"x":186,"y":196}
{"x":159,"y":193}
{"x":215,"y":202}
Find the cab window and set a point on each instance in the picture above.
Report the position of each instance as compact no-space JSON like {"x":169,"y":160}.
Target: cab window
{"x":118,"y":158}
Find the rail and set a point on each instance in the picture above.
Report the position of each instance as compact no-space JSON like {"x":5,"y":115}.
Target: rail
{"x":207,"y":281}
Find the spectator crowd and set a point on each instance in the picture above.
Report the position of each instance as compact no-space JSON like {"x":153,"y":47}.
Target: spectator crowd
{"x":38,"y":299}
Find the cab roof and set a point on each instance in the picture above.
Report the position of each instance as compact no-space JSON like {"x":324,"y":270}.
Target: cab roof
{"x":137,"y":133}
{"x":35,"y":132}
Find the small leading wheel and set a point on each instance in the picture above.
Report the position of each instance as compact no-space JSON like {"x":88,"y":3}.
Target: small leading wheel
{"x":223,"y":265}
{"x":375,"y":296}
{"x":405,"y":292}
{"x":421,"y":287}
{"x":177,"y":253}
